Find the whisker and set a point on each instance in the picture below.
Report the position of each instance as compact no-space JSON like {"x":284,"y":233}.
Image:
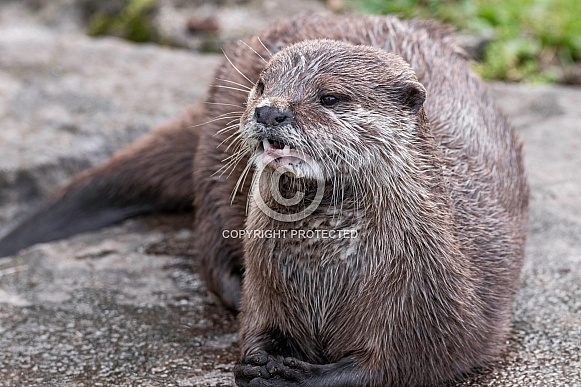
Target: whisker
{"x":238,"y":113}
{"x":253,"y":50}
{"x":242,"y":180}
{"x":238,"y":136}
{"x":241,"y":151}
{"x":224,"y":104}
{"x":266,"y":48}
{"x":235,"y":83}
{"x":233,"y":155}
{"x":227,"y":129}
{"x":336,"y":194}
{"x":233,"y":118}
{"x":236,"y":68}
{"x":224,"y":116}
{"x":231,"y":88}
{"x":253,"y":184}
{"x":235,"y":158}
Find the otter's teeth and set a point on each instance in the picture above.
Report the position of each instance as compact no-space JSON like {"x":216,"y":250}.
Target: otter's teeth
{"x":266,"y":144}
{"x":286,"y":150}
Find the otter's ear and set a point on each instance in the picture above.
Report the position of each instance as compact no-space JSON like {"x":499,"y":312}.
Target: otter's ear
{"x":413,"y":95}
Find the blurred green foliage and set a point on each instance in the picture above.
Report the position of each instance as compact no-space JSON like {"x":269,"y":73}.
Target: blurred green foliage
{"x":534,"y":40}
{"x":132,"y":22}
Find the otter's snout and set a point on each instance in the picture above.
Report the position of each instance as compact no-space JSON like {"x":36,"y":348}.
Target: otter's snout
{"x":272,"y":116}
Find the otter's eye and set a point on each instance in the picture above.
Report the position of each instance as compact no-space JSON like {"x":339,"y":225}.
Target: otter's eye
{"x":329,"y":100}
{"x":260,"y":88}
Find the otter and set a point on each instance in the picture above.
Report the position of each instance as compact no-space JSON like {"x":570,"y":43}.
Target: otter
{"x":373,"y":127}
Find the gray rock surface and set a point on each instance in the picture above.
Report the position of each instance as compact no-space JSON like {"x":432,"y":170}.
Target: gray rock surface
{"x":113,"y":308}
{"x":125,"y":306}
{"x":67,"y":102}
{"x":545,"y":346}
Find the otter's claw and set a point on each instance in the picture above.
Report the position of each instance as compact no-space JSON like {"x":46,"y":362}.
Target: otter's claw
{"x":291,"y":369}
{"x":252,"y":367}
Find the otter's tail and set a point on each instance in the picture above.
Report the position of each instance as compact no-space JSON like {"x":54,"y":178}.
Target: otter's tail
{"x":153,"y":174}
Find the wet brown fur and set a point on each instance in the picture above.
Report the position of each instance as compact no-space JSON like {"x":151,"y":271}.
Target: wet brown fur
{"x":429,"y":296}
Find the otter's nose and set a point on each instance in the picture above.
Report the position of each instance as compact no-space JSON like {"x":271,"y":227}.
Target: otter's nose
{"x":271,"y":116}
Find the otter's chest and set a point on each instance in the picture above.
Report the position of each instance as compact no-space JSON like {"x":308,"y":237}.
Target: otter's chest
{"x":310,"y":272}
{"x":316,"y":250}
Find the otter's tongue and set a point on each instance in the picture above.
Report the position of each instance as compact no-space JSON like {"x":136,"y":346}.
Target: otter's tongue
{"x":281,"y":154}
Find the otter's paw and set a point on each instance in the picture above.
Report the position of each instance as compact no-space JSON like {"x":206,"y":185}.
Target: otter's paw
{"x":250,"y":368}
{"x":291,"y":370}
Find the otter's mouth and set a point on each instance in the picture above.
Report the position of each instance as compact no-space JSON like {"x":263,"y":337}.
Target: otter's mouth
{"x":279,"y":153}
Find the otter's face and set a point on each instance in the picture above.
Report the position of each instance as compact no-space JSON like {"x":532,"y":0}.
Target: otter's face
{"x":322,"y":109}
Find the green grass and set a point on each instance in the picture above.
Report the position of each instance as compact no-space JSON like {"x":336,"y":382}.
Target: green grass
{"x":132,"y":22}
{"x":534,"y":40}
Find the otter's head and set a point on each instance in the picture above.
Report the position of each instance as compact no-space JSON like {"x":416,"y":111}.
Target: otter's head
{"x":323,"y":108}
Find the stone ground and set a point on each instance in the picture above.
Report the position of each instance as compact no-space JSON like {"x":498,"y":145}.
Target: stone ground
{"x":125,"y":306}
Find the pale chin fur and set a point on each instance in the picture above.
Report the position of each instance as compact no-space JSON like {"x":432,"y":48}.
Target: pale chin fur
{"x":287,"y":159}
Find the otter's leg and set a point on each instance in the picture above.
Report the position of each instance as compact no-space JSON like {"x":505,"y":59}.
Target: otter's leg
{"x":152,"y":174}
{"x":218,"y":218}
{"x":221,"y":258}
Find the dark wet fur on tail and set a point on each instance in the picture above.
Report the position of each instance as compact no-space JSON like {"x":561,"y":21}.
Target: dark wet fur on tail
{"x":83,"y":208}
{"x":152,"y":175}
